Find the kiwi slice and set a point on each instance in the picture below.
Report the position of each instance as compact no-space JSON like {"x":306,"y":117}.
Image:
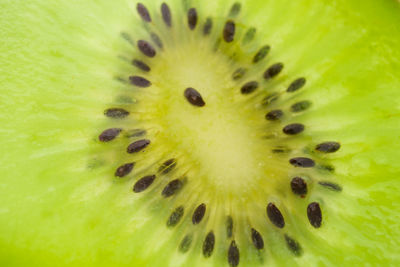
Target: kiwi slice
{"x":200,"y":133}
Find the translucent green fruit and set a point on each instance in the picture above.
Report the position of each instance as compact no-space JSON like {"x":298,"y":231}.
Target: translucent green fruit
{"x":200,"y":133}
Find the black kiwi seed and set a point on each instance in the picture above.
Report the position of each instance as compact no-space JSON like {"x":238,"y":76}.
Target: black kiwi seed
{"x":296,"y":85}
{"x":184,"y":246}
{"x":139,"y":81}
{"x":138,"y":145}
{"x":167,"y":166}
{"x":166,"y":14}
{"x":273,"y":70}
{"x":257,"y":239}
{"x":198,"y":213}
{"x":146,"y":48}
{"x":302,"y":162}
{"x":275,"y":216}
{"x":328,"y":147}
{"x":299,"y":186}
{"x":194,"y":97}
{"x":109,"y":134}
{"x":172,"y":187}
{"x":314,"y":214}
{"x":249,"y":35}
{"x":300,"y":106}
{"x":192,"y":18}
{"x":124,"y":169}
{"x":143,"y":183}
{"x":135,"y":133}
{"x":141,"y":65}
{"x":239,"y":73}
{"x":280,"y":149}
{"x":208,"y":244}
{"x":261,"y":54}
{"x":328,"y":168}
{"x":116,"y":113}
{"x":249,"y":87}
{"x":293,"y":245}
{"x":229,"y":31}
{"x":235,"y":9}
{"x":156,"y":39}
{"x":294,"y":128}
{"x":274,"y":115}
{"x":233,"y":254}
{"x":270,"y":99}
{"x":229,"y":226}
{"x":207,"y":26}
{"x":143,"y":12}
{"x":331,"y":186}
{"x":175,"y":216}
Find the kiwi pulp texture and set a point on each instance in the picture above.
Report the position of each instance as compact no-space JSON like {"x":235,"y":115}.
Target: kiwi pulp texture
{"x":228,"y":146}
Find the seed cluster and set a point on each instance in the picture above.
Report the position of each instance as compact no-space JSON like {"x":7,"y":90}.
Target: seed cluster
{"x":299,"y":185}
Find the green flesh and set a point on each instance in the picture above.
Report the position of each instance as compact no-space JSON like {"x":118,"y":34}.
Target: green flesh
{"x":62,"y":65}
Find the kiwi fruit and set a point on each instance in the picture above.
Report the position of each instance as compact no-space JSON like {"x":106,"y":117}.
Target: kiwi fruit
{"x":200,"y":133}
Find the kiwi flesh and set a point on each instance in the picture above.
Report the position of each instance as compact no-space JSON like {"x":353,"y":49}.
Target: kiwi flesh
{"x":200,"y":133}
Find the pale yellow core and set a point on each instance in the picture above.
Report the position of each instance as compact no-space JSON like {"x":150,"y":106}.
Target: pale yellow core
{"x":221,"y":141}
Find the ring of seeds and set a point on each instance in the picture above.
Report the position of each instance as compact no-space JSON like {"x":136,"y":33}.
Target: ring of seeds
{"x":168,"y":178}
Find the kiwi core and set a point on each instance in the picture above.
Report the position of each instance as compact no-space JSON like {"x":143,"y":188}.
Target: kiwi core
{"x":218,"y":137}
{"x":215,"y":133}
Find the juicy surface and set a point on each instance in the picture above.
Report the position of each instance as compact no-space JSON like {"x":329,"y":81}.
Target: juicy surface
{"x":221,"y":140}
{"x":60,"y":60}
